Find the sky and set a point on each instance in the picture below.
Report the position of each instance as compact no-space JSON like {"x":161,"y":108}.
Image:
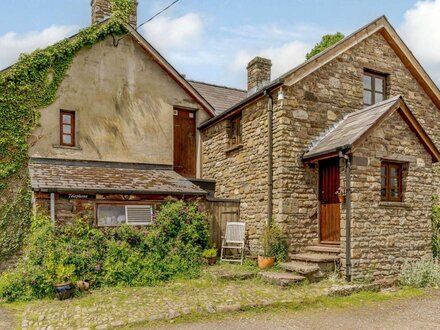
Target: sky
{"x":213,"y":40}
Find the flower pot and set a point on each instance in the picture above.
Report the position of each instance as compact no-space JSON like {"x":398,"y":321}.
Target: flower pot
{"x":211,"y":260}
{"x":265,"y":262}
{"x":341,"y":198}
{"x":64,"y":291}
{"x":83,"y":285}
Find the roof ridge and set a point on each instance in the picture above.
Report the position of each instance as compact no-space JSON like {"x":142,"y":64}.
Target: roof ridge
{"x":220,"y":86}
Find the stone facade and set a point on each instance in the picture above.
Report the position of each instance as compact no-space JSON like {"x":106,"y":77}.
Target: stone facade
{"x":258,"y":73}
{"x":309,"y":109}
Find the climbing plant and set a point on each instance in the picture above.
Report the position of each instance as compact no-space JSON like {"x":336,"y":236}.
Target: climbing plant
{"x":27,"y":86}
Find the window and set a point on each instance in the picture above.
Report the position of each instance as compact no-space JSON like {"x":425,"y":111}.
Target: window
{"x":391,"y":182}
{"x":374,"y":88}
{"x":67,"y":128}
{"x":235,"y":131}
{"x":134,"y":215}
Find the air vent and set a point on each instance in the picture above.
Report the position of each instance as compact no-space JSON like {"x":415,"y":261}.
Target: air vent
{"x":139,"y":215}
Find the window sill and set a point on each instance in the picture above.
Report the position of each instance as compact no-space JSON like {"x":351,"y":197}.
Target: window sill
{"x":58,"y":146}
{"x":234,"y":147}
{"x":399,"y":205}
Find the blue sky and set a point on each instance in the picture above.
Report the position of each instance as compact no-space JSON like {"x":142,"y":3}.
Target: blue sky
{"x":212,"y":40}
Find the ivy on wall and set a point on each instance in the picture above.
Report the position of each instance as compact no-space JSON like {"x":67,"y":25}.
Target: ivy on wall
{"x":27,"y":86}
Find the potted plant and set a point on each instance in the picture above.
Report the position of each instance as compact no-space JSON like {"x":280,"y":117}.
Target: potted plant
{"x":210,"y":255}
{"x":63,"y":285}
{"x":273,"y":245}
{"x":341,"y":194}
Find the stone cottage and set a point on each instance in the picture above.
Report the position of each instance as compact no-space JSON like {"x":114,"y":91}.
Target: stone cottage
{"x":339,"y":152}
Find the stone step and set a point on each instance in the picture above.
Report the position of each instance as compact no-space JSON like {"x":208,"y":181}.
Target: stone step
{"x":302,"y":268}
{"x":315,"y":257}
{"x":325,"y":249}
{"x":281,"y":279}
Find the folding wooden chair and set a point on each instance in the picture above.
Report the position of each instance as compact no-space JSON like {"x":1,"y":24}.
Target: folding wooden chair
{"x":233,"y":239}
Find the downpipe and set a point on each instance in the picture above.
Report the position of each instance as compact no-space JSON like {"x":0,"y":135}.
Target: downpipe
{"x":347,"y":215}
{"x":270,"y":157}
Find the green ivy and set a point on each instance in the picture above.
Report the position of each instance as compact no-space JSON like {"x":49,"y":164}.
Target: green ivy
{"x":27,"y":86}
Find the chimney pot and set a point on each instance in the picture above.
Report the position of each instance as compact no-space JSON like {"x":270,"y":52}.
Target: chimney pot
{"x":102,"y":9}
{"x":259,"y":72}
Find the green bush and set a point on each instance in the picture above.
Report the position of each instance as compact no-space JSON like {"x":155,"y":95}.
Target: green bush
{"x":421,"y":274}
{"x":120,"y":256}
{"x":274,"y":243}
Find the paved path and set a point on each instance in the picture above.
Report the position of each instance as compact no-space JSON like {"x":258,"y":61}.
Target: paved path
{"x":6,"y":319}
{"x":415,"y":313}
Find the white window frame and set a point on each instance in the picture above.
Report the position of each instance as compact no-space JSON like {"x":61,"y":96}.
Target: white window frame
{"x":128,"y":207}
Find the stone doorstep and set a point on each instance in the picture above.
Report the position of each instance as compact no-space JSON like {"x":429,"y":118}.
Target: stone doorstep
{"x":315,"y":257}
{"x":281,"y":279}
{"x":299,"y":267}
{"x":324,"y":249}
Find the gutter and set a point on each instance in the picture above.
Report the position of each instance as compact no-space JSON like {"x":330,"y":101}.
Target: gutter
{"x":343,"y":154}
{"x":269,"y":156}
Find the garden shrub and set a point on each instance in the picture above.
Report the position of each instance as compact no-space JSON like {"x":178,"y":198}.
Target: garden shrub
{"x":119,"y":256}
{"x":420,"y":274}
{"x":436,"y":228}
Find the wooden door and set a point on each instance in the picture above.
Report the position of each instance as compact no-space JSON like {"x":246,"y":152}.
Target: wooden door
{"x":329,"y":216}
{"x":185,"y":142}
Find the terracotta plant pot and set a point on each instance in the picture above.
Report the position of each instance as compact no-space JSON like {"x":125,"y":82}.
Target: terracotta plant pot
{"x":341,"y":198}
{"x":265,"y":262}
{"x":211,"y":261}
{"x":64,"y":291}
{"x":83,"y":285}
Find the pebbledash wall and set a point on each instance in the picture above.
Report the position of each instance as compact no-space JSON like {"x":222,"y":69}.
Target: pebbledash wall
{"x":310,"y":107}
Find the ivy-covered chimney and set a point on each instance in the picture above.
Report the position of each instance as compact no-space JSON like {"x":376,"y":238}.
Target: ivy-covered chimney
{"x":102,"y":9}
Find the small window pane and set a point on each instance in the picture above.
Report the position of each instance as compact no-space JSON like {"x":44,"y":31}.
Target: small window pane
{"x":378,"y":97}
{"x":378,"y":84}
{"x":367,"y":97}
{"x":67,"y":119}
{"x":67,"y":129}
{"x":67,"y":139}
{"x":111,"y":215}
{"x":367,"y":82}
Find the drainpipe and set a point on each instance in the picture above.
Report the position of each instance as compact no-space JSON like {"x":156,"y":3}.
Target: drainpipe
{"x":270,"y":156}
{"x":52,"y":207}
{"x":347,"y":215}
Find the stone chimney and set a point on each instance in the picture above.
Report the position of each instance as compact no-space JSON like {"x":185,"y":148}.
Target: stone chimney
{"x":101,"y":9}
{"x":258,"y":73}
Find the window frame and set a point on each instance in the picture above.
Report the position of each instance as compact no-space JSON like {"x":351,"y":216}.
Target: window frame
{"x":152,"y":207}
{"x":388,"y":165}
{"x":372,"y":86}
{"x":72,"y":133}
{"x":235,"y":133}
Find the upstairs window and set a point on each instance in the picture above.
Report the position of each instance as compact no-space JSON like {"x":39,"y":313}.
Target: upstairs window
{"x":235,"y":131}
{"x":374,"y":88}
{"x":67,"y":128}
{"x":391,"y":182}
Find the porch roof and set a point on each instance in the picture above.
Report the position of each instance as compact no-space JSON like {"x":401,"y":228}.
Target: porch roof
{"x":93,"y":177}
{"x":355,"y":127}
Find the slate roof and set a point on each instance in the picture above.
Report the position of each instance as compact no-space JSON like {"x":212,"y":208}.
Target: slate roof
{"x":220,"y":97}
{"x":351,"y":128}
{"x":103,"y":179}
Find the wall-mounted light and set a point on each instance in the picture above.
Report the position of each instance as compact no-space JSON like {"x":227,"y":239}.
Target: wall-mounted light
{"x":281,"y":95}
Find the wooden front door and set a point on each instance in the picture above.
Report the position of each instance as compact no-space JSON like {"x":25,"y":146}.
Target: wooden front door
{"x":185,"y":142}
{"x":329,"y":216}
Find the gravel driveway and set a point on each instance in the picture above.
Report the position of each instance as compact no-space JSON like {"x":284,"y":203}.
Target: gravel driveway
{"x":415,"y":313}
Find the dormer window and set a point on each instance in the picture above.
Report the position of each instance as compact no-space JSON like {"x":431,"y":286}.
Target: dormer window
{"x":67,"y":128}
{"x":374,"y":88}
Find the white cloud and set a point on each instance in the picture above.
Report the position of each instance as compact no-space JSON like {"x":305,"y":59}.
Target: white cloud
{"x":179,"y":33}
{"x":284,"y":58}
{"x":421,"y":31}
{"x":13,"y":44}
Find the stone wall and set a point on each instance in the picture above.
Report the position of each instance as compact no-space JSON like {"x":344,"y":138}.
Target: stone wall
{"x":241,"y":173}
{"x":314,"y":105}
{"x":385,"y":234}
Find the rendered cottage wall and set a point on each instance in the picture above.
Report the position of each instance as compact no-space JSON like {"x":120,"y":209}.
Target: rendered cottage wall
{"x":124,"y":108}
